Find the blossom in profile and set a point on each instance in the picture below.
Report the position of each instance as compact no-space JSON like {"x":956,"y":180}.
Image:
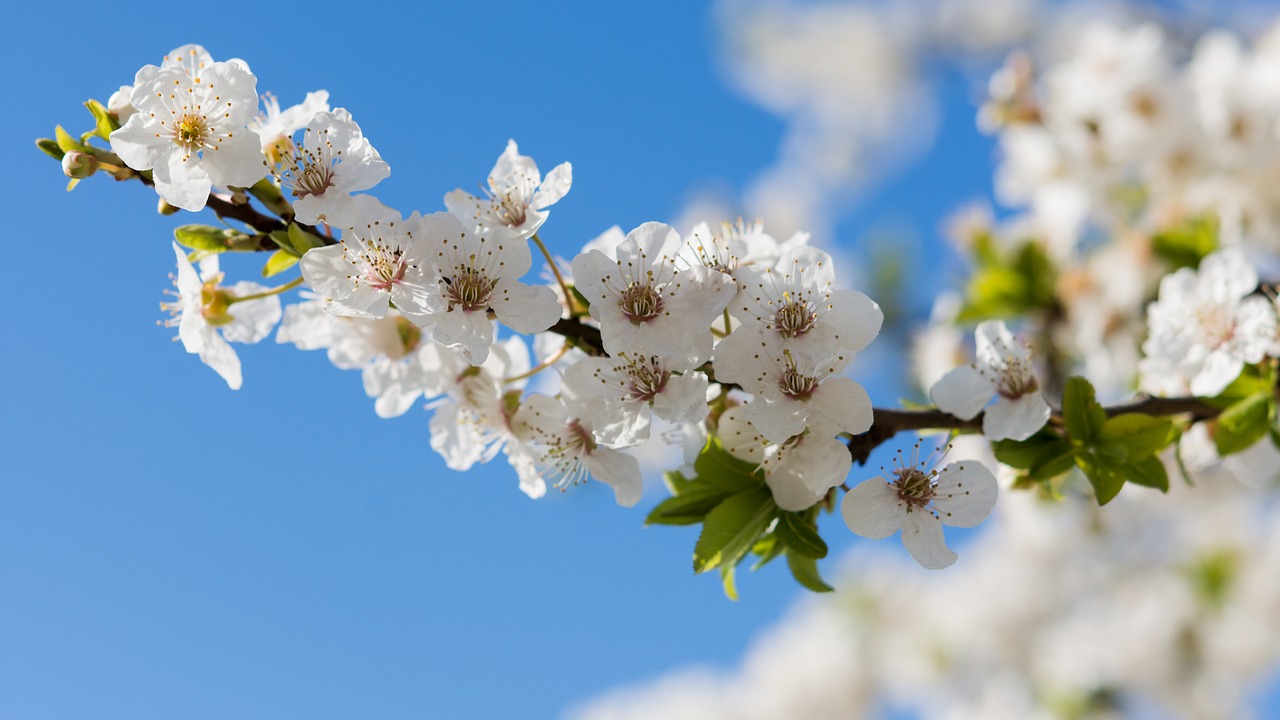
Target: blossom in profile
{"x":190,"y":129}
{"x":1003,"y":369}
{"x":919,"y":500}
{"x":209,"y":316}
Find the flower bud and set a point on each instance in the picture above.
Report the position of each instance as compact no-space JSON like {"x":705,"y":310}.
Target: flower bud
{"x":79,"y":165}
{"x":165,"y":208}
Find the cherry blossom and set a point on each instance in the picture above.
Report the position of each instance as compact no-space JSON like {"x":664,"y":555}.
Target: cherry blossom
{"x":1003,"y":368}
{"x":518,"y":197}
{"x":1206,"y":326}
{"x":190,"y":130}
{"x":209,"y":316}
{"x":920,"y":501}
{"x":333,"y":161}
{"x":617,"y":395}
{"x":799,"y":472}
{"x":645,"y":304}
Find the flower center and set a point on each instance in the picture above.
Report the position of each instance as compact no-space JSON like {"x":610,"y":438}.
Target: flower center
{"x":511,"y":210}
{"x":384,"y":267}
{"x":1017,"y":381}
{"x":647,"y":379}
{"x":795,"y":319}
{"x":796,"y":385}
{"x":1216,"y":322}
{"x":314,"y":180}
{"x":469,"y":289}
{"x":191,"y":133}
{"x":640,"y":303}
{"x":914,"y":487}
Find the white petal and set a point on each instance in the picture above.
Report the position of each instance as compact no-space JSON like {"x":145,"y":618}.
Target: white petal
{"x":238,"y":161}
{"x":963,"y":392}
{"x":965,"y":493}
{"x":873,"y":509}
{"x":619,"y":471}
{"x":554,"y":186}
{"x":1219,"y":370}
{"x":1015,"y":419}
{"x":218,"y":355}
{"x":922,"y":536}
{"x":843,"y":404}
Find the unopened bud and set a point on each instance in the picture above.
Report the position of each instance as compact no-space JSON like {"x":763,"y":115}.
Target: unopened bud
{"x":79,"y":165}
{"x":165,"y":208}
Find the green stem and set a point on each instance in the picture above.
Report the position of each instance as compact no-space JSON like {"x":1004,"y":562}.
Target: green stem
{"x":267,"y":293}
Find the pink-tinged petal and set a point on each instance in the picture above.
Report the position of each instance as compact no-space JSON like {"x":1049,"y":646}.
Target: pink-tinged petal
{"x":922,"y":536}
{"x":237,"y":161}
{"x":554,"y":187}
{"x":873,"y":509}
{"x":1016,"y":419}
{"x":963,"y":392}
{"x":1220,"y":369}
{"x":965,"y":493}
{"x":619,"y":471}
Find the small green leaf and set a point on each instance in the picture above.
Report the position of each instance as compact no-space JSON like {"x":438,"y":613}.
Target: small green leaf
{"x":767,"y":549}
{"x":1026,"y":454}
{"x":800,"y":537}
{"x":49,"y":147}
{"x":805,"y":571}
{"x":1103,"y":476}
{"x":301,"y":240}
{"x":67,"y":143}
{"x":676,"y":482}
{"x":1053,"y":463}
{"x":717,"y":468}
{"x":1188,"y":244}
{"x":207,"y":238}
{"x":278,"y":263}
{"x":732,"y":529}
{"x":1148,"y":472}
{"x":687,"y":508}
{"x":1083,"y":416}
{"x":105,"y":123}
{"x":1140,"y":435}
{"x":1244,"y":423}
{"x":281,"y":239}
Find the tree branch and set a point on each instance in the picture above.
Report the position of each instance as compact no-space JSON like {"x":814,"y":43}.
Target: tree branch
{"x":890,"y":422}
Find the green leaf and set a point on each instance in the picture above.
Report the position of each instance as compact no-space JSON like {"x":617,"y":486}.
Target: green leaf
{"x":1053,"y":463}
{"x":1140,"y":435}
{"x":67,"y":143}
{"x":1148,"y":472}
{"x":49,"y":147}
{"x":212,"y":240}
{"x":105,"y":123}
{"x":717,"y":468}
{"x":1252,"y":380}
{"x":732,"y":528}
{"x":687,"y":508}
{"x":1103,"y":476}
{"x":676,"y":482}
{"x":281,"y":239}
{"x":1083,"y":416}
{"x":1187,"y":245}
{"x":278,"y":263}
{"x":767,"y":548}
{"x":301,"y":240}
{"x":800,"y":536}
{"x":805,"y":571}
{"x":1026,"y":454}
{"x":1244,"y":423}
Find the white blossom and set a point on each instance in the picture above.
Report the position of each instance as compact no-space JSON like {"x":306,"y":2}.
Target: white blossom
{"x":333,"y":161}
{"x":920,"y":501}
{"x":518,"y":197}
{"x":477,"y":275}
{"x":275,"y":127}
{"x":373,"y":266}
{"x":799,"y":472}
{"x":208,"y":315}
{"x":618,"y":394}
{"x":559,"y":448}
{"x":793,"y":388}
{"x":1205,"y":326}
{"x":1003,"y":368}
{"x":190,"y":130}
{"x":645,"y":304}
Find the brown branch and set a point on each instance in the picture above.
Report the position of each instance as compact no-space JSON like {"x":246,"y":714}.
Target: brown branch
{"x":247,"y":214}
{"x":890,"y":422}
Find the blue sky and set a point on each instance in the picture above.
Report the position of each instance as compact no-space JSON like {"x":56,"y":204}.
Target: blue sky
{"x":169,"y":548}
